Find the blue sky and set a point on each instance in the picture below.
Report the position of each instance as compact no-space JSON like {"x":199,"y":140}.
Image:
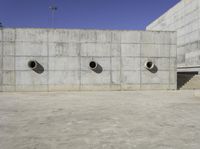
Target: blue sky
{"x":90,"y":14}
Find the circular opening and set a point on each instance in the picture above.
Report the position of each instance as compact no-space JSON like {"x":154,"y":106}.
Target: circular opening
{"x":93,"y":64}
{"x":32,"y":64}
{"x":149,"y":65}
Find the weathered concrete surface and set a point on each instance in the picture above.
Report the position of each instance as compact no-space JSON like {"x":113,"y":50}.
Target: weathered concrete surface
{"x":65,"y":54}
{"x":183,"y":18}
{"x":96,"y":120}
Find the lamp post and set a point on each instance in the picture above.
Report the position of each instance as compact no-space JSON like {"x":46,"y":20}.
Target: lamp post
{"x":53,"y":10}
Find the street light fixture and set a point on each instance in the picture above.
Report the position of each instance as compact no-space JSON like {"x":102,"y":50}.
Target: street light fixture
{"x":53,"y":10}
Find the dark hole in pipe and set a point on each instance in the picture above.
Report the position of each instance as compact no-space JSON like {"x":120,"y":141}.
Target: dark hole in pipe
{"x":149,"y":64}
{"x":93,"y":64}
{"x":35,"y":66}
{"x":32,"y":64}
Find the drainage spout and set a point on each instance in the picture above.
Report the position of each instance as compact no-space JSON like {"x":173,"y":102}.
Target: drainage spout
{"x":33,"y":64}
{"x":149,"y":65}
{"x":93,"y":65}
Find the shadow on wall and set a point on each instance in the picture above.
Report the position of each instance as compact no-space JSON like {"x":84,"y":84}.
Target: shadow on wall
{"x":184,"y":77}
{"x":35,"y":66}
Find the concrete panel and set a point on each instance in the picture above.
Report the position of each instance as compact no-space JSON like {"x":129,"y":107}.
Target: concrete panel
{"x":31,"y":78}
{"x":161,"y":77}
{"x":181,"y":60}
{"x":130,"y":50}
{"x":155,"y":87}
{"x":173,"y":64}
{"x":173,"y":51}
{"x":8,"y":88}
{"x":173,"y":77}
{"x":64,"y":77}
{"x":1,"y":35}
{"x":148,"y":37}
{"x":102,"y":50}
{"x":158,"y":37}
{"x":152,"y":50}
{"x":1,"y":77}
{"x":8,"y":34}
{"x":31,"y":35}
{"x":21,"y":63}
{"x":173,"y":86}
{"x":103,"y":62}
{"x":61,"y":88}
{"x":88,"y":49}
{"x":116,"y":37}
{"x":8,"y":77}
{"x":9,"y":48}
{"x":181,"y":50}
{"x":103,"y":36}
{"x":181,"y":40}
{"x":160,"y":63}
{"x":173,"y":38}
{"x":63,"y":35}
{"x":31,"y":88}
{"x":1,"y":88}
{"x":91,"y":49}
{"x":128,"y":87}
{"x":64,"y":63}
{"x":1,"y":48}
{"x":92,"y":78}
{"x":115,"y":77}
{"x":191,"y":37}
{"x":130,"y":63}
{"x":8,"y":63}
{"x":64,"y":49}
{"x":165,"y":38}
{"x":1,"y":55}
{"x":97,"y":87}
{"x":115,"y":87}
{"x":88,"y":36}
{"x":115,"y":63}
{"x":31,"y":49}
{"x":115,"y":50}
{"x":1,"y":62}
{"x":130,"y":77}
{"x":130,"y":37}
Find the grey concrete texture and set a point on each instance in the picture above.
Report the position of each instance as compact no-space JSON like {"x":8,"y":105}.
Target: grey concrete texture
{"x":97,"y":120}
{"x":64,"y":55}
{"x":185,"y":19}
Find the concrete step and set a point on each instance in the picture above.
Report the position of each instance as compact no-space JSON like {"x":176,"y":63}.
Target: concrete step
{"x":182,"y":79}
{"x":195,"y":86}
{"x":193,"y":83}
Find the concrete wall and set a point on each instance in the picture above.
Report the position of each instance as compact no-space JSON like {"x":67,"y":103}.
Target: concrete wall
{"x":185,"y":19}
{"x":65,"y":56}
{"x":1,"y":60}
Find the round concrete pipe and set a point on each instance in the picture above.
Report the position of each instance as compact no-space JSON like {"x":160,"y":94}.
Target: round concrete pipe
{"x":93,"y":65}
{"x":149,"y":65}
{"x":32,"y":64}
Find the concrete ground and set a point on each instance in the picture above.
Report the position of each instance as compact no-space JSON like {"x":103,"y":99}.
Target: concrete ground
{"x":100,"y":120}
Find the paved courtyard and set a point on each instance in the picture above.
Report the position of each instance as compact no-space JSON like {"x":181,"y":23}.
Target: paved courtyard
{"x":100,"y":120}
